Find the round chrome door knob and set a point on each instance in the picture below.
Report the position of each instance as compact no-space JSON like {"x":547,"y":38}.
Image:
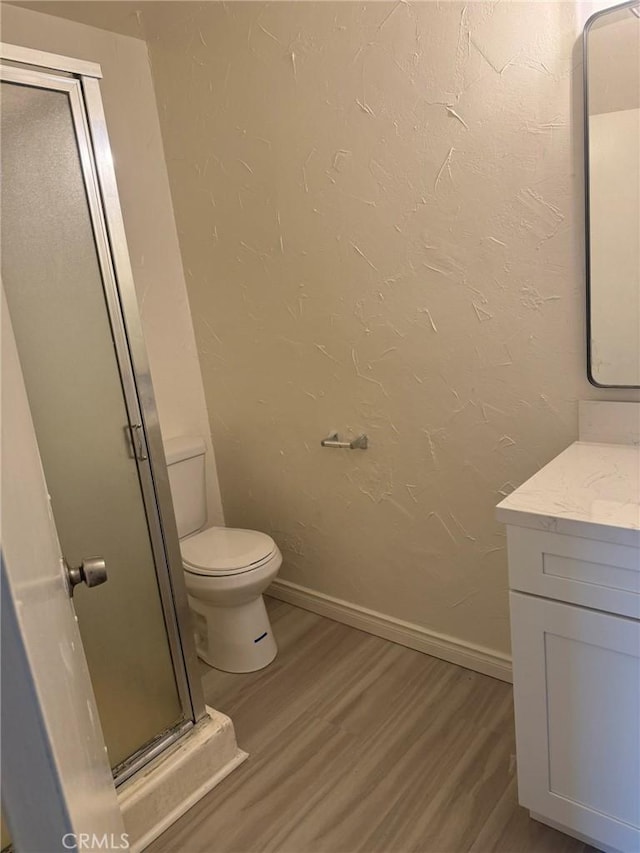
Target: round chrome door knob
{"x":92,"y":571}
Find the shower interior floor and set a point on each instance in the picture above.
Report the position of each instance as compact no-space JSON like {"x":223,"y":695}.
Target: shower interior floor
{"x":358,"y":745}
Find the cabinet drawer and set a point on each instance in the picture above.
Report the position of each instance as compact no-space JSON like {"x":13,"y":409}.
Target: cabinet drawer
{"x":581,"y":571}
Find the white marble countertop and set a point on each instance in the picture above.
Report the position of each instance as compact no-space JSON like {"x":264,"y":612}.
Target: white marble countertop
{"x":590,"y":490}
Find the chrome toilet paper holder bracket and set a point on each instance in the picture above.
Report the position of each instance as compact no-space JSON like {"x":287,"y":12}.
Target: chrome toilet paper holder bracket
{"x":361,"y":442}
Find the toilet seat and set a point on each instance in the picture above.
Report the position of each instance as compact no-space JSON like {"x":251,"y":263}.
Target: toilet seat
{"x":226,"y":551}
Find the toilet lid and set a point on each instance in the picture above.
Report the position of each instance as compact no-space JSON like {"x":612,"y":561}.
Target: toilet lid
{"x":219,"y":550}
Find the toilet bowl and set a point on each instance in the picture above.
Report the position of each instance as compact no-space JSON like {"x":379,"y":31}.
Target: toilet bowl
{"x":226,"y":570}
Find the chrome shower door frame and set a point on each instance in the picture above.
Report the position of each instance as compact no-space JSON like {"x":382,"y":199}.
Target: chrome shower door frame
{"x":80,"y":80}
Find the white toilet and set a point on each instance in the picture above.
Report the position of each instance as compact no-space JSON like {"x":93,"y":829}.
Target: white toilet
{"x":226,"y":570}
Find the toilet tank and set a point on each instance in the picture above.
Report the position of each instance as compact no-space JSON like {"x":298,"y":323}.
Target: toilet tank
{"x":185,"y":463}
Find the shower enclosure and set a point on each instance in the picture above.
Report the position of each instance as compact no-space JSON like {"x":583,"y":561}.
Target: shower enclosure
{"x":68,"y":284}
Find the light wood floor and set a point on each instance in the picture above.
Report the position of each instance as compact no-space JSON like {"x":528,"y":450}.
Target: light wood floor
{"x":358,"y":745}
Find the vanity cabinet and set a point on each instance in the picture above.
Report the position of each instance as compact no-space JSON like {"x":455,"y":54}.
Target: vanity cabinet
{"x":574,"y":576}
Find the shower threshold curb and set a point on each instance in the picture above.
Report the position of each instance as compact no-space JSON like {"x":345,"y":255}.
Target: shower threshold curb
{"x":172,"y":783}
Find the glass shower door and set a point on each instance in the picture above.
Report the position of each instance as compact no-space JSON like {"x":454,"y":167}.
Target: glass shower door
{"x":53,"y":270}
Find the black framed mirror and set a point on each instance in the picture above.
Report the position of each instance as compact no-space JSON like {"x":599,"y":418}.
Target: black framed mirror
{"x":612,"y":193}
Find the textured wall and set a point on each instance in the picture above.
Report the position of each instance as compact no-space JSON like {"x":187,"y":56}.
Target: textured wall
{"x":132,"y":120}
{"x":380,"y":213}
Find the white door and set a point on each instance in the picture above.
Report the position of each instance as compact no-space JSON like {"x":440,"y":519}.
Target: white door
{"x":57,"y":788}
{"x":576,"y":680}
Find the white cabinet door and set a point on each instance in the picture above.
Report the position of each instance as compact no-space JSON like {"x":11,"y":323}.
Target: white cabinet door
{"x":577,"y":703}
{"x":56,"y":780}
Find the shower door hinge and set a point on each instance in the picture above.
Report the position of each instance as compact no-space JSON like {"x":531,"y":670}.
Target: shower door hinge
{"x":136,"y":442}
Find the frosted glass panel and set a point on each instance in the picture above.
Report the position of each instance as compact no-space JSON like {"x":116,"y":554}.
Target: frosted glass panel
{"x":5,"y":838}
{"x":53,"y":284}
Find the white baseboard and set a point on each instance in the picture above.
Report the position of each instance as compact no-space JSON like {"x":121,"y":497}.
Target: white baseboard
{"x":468,"y":655}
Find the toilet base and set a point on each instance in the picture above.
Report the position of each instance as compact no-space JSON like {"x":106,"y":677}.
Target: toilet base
{"x":234,"y":639}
